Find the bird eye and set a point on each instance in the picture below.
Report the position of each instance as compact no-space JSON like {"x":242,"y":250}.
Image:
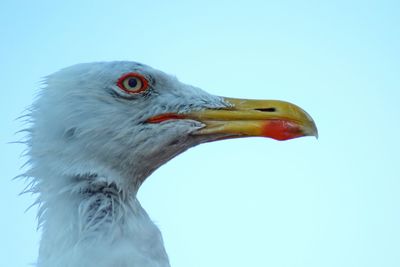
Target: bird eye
{"x":132,"y":83}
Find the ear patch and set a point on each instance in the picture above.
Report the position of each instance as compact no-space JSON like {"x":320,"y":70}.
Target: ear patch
{"x":70,"y":133}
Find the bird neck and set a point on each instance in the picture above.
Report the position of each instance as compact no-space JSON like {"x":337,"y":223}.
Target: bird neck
{"x":94,"y":223}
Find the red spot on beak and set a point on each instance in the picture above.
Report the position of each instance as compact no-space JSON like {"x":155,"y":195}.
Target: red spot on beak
{"x":281,"y":130}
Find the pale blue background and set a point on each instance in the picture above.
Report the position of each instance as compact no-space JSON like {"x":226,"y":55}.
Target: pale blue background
{"x":252,"y":202}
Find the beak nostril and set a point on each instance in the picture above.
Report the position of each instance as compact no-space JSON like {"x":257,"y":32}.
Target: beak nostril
{"x":266,"y":109}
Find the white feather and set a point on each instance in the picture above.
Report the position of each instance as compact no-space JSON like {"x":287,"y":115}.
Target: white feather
{"x":89,"y":151}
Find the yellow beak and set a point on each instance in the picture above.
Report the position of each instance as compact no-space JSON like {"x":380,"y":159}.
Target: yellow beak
{"x":268,"y":118}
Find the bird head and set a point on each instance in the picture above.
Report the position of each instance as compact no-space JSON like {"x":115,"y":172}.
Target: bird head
{"x":122,"y":120}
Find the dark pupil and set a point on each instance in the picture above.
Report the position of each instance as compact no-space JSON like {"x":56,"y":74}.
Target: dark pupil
{"x":132,"y":82}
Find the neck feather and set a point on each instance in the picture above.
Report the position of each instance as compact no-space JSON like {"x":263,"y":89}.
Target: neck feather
{"x":91,"y":222}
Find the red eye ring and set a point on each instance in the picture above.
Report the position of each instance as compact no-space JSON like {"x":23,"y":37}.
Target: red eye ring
{"x":133,"y":83}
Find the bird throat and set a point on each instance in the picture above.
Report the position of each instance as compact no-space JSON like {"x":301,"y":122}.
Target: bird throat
{"x":95,"y":223}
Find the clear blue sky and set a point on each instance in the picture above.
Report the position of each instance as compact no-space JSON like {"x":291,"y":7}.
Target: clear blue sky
{"x":251,"y":202}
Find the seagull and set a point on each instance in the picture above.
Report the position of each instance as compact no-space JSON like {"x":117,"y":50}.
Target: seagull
{"x":96,"y":131}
